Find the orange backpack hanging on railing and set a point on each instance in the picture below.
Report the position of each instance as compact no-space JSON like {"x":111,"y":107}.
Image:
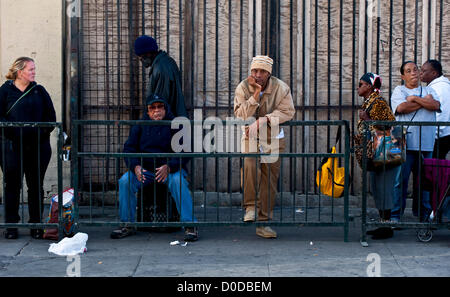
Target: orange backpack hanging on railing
{"x":330,"y":178}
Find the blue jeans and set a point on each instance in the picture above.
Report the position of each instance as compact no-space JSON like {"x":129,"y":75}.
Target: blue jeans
{"x":177,"y":184}
{"x":411,"y":165}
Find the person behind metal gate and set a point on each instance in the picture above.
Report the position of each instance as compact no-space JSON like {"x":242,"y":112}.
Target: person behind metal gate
{"x":164,"y":74}
{"x":431,"y":73}
{"x":25,"y":151}
{"x":154,"y":139}
{"x":375,"y":108}
{"x":413,"y":103}
{"x":269,"y":100}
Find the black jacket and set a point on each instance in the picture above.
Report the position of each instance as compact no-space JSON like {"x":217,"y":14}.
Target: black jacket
{"x":152,"y":139}
{"x":165,"y":80}
{"x":36,"y":106}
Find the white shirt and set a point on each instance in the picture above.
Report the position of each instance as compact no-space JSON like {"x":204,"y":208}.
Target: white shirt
{"x":441,"y":86}
{"x":414,"y":137}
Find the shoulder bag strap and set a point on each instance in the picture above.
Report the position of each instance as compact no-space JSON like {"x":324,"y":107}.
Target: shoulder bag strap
{"x":369,"y":108}
{"x":20,"y":98}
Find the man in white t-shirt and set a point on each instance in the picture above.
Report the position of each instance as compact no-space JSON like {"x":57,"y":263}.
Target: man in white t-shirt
{"x":413,"y":103}
{"x":431,"y":73}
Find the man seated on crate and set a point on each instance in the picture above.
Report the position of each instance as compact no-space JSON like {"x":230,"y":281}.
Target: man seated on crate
{"x":146,"y":171}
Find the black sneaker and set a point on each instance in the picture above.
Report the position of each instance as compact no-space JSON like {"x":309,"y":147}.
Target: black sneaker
{"x":190,"y":234}
{"x":11,"y":233}
{"x":383,"y":233}
{"x":371,"y":232}
{"x":37,"y":233}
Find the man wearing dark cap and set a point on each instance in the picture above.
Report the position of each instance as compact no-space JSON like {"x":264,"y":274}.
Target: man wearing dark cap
{"x":146,"y":171}
{"x":164,"y":75}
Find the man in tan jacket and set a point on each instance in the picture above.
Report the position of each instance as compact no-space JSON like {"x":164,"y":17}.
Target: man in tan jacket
{"x":268,"y":100}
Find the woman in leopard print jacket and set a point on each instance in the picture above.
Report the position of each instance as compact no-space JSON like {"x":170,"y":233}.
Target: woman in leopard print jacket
{"x":383,"y":189}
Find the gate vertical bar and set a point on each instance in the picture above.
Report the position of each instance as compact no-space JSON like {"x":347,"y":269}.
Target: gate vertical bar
{"x":378,"y":35}
{"x":155,"y":23}
{"x":217,"y":101}
{"x":64,"y":66}
{"x":189,"y":54}
{"x":60,"y":181}
{"x":230,"y":97}
{"x":329,"y":69}
{"x":364,"y":190}
{"x":415,"y":32}
{"x":230,"y":60}
{"x":366,"y":38}
{"x":180,"y":19}
{"x":353,"y":77}
{"x":79,"y":99}
{"x":76,"y":174}
{"x":107,"y":88}
{"x":341,"y":29}
{"x":404,"y":32}
{"x":440,"y":30}
{"x":361,"y":37}
{"x":132,"y":68}
{"x":168,"y":26}
{"x":347,"y":180}
{"x":390,"y":49}
{"x":143,"y":33}
{"x":316,"y":45}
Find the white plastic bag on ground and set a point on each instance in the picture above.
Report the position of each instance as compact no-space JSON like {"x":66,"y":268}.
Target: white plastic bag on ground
{"x":70,"y":246}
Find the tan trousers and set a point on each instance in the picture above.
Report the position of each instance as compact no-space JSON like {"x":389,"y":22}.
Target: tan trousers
{"x":260,"y":184}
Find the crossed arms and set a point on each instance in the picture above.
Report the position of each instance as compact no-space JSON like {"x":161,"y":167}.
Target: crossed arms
{"x":414,"y":103}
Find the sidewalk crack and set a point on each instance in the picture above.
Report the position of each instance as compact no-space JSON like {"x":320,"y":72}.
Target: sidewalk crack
{"x":396,"y":262}
{"x":8,"y":263}
{"x":20,"y":251}
{"x":137,"y":265}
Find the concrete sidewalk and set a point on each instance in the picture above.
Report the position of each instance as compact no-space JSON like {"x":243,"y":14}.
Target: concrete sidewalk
{"x":234,"y":251}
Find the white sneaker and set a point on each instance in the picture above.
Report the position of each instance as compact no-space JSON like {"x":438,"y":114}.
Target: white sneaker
{"x":266,"y":232}
{"x":249,"y":215}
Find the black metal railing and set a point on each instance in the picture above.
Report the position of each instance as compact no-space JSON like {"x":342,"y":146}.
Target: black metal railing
{"x":216,"y":193}
{"x":430,"y":192}
{"x":23,"y":155}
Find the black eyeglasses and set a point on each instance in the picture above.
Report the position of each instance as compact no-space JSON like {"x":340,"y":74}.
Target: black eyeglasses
{"x":157,"y":106}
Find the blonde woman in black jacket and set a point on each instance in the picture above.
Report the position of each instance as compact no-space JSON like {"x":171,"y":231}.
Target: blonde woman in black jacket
{"x":24,"y":151}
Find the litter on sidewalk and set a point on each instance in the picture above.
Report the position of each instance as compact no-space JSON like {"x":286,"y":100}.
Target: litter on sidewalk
{"x":70,"y":246}
{"x":176,"y":242}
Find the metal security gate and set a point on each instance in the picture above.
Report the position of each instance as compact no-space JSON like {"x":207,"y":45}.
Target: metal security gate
{"x":320,"y":47}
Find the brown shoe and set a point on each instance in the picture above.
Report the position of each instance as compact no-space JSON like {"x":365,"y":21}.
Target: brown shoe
{"x":249,"y":215}
{"x":266,"y":232}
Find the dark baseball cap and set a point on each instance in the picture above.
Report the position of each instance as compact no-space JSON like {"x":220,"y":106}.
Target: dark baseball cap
{"x":152,"y":98}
